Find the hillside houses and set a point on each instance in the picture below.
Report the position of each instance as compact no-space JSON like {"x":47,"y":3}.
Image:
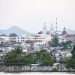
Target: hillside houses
{"x":39,"y":41}
{"x":36,"y":42}
{"x":12,"y":40}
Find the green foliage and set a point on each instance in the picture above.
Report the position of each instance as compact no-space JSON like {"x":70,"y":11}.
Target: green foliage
{"x":17,"y":57}
{"x":44,"y":58}
{"x":73,"y":52}
{"x":18,"y":50}
{"x":28,"y":59}
{"x":55,"y":41}
{"x":67,"y":44}
{"x":14,"y":56}
{"x":71,"y":62}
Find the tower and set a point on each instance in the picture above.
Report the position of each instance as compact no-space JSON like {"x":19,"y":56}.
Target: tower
{"x":64,"y":31}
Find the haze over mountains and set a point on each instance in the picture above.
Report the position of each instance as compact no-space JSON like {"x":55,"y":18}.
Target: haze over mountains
{"x":20,"y":32}
{"x":15,"y":29}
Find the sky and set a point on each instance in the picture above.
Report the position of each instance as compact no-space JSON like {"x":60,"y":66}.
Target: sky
{"x":32,"y":15}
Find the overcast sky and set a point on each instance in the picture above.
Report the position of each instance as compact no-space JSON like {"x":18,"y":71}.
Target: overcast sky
{"x":32,"y":14}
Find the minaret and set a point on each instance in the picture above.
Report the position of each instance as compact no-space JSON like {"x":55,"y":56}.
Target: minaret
{"x":64,"y":31}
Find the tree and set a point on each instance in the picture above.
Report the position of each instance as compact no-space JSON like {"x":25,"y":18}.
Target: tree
{"x":55,"y":41}
{"x":28,"y":59}
{"x":71,"y":62}
{"x":73,"y":52}
{"x":17,"y":57}
{"x":18,"y":50}
{"x":67,"y":44}
{"x":44,"y":58}
{"x":14,"y":56}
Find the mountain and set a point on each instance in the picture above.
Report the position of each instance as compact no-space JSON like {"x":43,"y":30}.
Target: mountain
{"x":15,"y":30}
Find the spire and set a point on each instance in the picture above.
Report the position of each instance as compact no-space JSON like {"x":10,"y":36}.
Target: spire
{"x":56,"y":27}
{"x":64,"y":31}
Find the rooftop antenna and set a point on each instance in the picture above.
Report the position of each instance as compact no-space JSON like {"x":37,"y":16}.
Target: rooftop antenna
{"x":56,"y":27}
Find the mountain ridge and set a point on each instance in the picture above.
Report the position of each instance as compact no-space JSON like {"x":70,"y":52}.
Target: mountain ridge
{"x":15,"y":29}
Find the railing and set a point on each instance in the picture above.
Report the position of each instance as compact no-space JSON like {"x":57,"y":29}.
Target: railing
{"x":26,"y":68}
